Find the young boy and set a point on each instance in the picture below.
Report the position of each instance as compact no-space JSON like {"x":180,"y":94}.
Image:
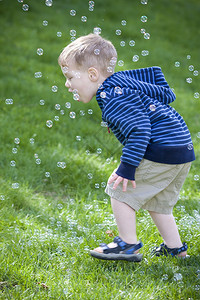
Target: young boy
{"x":157,"y":151}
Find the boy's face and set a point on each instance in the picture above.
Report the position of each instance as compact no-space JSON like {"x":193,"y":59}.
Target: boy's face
{"x":80,"y":82}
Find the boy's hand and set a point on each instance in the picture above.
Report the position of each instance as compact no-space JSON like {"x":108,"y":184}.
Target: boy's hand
{"x":118,"y":179}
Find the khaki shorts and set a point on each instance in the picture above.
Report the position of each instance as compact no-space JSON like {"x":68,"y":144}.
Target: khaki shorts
{"x":157,"y":187}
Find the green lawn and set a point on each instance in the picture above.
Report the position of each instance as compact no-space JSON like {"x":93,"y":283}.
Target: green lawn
{"x":53,"y":208}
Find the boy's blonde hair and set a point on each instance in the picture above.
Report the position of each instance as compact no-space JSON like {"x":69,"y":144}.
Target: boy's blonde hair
{"x":90,"y":51}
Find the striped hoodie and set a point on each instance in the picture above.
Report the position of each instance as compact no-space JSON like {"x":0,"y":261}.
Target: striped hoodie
{"x":135,"y":106}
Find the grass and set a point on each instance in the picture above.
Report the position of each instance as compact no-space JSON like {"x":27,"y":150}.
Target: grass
{"x":50,"y":220}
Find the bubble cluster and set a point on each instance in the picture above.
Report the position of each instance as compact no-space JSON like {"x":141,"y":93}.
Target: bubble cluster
{"x":49,"y":3}
{"x":9,"y":101}
{"x":54,"y":88}
{"x":91,"y":5}
{"x":40,"y":51}
{"x":25,"y":7}
{"x":61,"y":164}
{"x":97,"y":30}
{"x":38,"y":74}
{"x":135,"y":58}
{"x":49,"y":123}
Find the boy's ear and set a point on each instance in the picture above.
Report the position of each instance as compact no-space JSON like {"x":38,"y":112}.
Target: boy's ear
{"x":93,"y":74}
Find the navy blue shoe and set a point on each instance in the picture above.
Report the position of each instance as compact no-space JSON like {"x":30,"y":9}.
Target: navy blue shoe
{"x":122,"y":251}
{"x":164,"y":250}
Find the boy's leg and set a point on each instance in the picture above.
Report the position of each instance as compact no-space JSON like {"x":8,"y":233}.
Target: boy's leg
{"x":168,"y":229}
{"x":126,"y":222}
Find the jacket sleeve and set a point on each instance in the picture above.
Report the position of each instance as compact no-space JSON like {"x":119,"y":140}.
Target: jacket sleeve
{"x":127,"y":113}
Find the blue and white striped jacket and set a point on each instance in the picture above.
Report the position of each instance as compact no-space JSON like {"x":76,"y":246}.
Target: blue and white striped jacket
{"x":135,"y":105}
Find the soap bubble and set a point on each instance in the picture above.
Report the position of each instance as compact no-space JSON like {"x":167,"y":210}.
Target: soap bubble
{"x":177,"y":64}
{"x":144,"y":1}
{"x":17,"y":141}
{"x":49,"y":123}
{"x":118,"y":32}
{"x":97,"y":30}
{"x":123,"y":22}
{"x":76,"y":96}
{"x":45,"y":23}
{"x":13,"y":163}
{"x":152,"y":107}
{"x":103,"y":184}
{"x":36,"y":155}
{"x":113,"y":61}
{"x":42,"y":102}
{"x":14,"y":150}
{"x":96,"y":51}
{"x":9,"y":101}
{"x":40,"y":51}
{"x":147,"y":36}
{"x":72,"y":12}
{"x":82,"y":113}
{"x":190,"y":146}
{"x":78,"y":138}
{"x":90,"y":111}
{"x":47,"y":174}
{"x":61,"y":164}
{"x":104,"y":124}
{"x":87,"y":152}
{"x":38,"y":74}
{"x":165,"y":277}
{"x":20,"y":1}
{"x":59,"y":34}
{"x":68,"y":105}
{"x":72,"y":115}
{"x":2,"y":197}
{"x":144,"y":19}
{"x":15,"y":185}
{"x":56,"y":118}
{"x":189,"y":80}
{"x":84,"y":19}
{"x":38,"y":161}
{"x":96,"y":186}
{"x":57,"y":106}
{"x":90,"y":176}
{"x":178,"y":276}
{"x":135,"y":58}
{"x":122,"y":43}
{"x":120,"y":63}
{"x":118,"y":90}
{"x":25,"y":7}
{"x":31,"y":141}
{"x":110,"y":69}
{"x":198,"y":135}
{"x":132,"y":43}
{"x":191,"y":68}
{"x":145,"y":52}
{"x":60,"y":206}
{"x":91,"y":5}
{"x":49,"y":2}
{"x":196,"y":95}
{"x":142,"y":30}
{"x":103,"y":94}
{"x":188,"y":56}
{"x":196,"y":177}
{"x":195,"y":73}
{"x":73,"y":32}
{"x":99,"y":150}
{"x":54,"y":88}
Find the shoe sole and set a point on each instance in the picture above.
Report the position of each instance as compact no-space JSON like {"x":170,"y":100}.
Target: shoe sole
{"x":114,"y":256}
